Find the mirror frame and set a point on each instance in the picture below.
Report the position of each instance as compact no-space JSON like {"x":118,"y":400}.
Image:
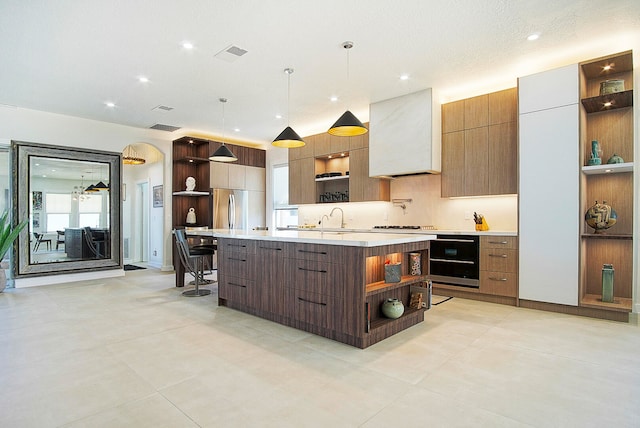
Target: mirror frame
{"x":21,"y":152}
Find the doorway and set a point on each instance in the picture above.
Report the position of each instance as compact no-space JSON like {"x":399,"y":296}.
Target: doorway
{"x":141,"y":220}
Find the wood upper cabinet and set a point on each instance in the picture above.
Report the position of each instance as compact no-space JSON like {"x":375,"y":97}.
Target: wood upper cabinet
{"x":452,"y":164}
{"x":453,"y":117}
{"x":362,"y":187}
{"x":476,"y":112}
{"x":476,"y":160}
{"x":479,"y":145}
{"x":302,"y":185}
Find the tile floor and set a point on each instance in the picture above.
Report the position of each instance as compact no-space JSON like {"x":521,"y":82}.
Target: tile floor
{"x":133,"y":352}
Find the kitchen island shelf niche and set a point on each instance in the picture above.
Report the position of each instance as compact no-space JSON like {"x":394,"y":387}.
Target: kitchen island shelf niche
{"x":381,"y":286}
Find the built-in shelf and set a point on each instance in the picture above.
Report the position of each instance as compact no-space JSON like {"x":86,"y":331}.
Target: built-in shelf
{"x":339,"y":177}
{"x":621,"y":304}
{"x":607,"y":236}
{"x":193,"y":160}
{"x":382,"y":322}
{"x":381,"y":286}
{"x":609,"y":168}
{"x":191,"y":193}
{"x":608,"y":102}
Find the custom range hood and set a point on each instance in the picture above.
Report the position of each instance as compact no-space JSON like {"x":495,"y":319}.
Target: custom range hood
{"x":405,"y":135}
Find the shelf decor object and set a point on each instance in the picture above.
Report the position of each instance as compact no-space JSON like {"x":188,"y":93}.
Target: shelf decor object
{"x":392,"y":308}
{"x":347,"y":125}
{"x":223,"y":154}
{"x":190,"y":183}
{"x":288,"y":138}
{"x":607,"y":283}
{"x":600,"y":217}
{"x":191,"y":216}
{"x":415,"y":263}
{"x":392,"y":272}
{"x":596,"y":152}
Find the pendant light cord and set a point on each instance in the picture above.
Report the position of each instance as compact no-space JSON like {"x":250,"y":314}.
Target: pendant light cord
{"x":223,"y":101}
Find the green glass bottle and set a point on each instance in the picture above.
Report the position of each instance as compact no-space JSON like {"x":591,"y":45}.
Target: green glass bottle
{"x":607,"y":283}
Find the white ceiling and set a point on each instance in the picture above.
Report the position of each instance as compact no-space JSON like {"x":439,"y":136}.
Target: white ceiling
{"x":70,"y":56}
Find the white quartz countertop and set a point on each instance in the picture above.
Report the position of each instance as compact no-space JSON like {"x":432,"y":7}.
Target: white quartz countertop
{"x":412,"y":231}
{"x":330,"y":237}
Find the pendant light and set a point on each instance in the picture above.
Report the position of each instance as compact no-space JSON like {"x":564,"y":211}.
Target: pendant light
{"x":223,"y":154}
{"x":347,"y":125}
{"x":288,"y":138}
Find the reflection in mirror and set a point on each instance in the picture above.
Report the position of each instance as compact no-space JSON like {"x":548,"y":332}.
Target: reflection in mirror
{"x":69,"y":210}
{"x":72,"y":200}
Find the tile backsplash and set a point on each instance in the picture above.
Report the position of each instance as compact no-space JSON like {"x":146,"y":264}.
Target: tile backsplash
{"x":426,"y":208}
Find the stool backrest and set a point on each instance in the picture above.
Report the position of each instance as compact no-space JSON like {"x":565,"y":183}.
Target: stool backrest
{"x":183,"y":249}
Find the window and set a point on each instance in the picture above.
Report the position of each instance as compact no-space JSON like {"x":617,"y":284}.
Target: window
{"x":58,"y":210}
{"x":285,"y":214}
{"x":89,"y":210}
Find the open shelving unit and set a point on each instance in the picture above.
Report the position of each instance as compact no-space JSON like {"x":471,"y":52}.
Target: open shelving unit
{"x":609,"y":119}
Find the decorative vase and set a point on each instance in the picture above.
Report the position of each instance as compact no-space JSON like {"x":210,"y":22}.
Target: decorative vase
{"x":615,"y":159}
{"x":600,"y":217}
{"x":596,"y":152}
{"x":392,"y":308}
{"x":191,"y":216}
{"x":607,"y":283}
{"x":3,"y":275}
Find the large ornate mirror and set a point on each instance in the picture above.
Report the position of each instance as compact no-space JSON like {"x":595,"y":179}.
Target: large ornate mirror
{"x":71,"y":198}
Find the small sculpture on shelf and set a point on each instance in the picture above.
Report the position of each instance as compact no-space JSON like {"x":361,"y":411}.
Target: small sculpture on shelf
{"x":600,"y":217}
{"x":607,"y":283}
{"x":191,"y":216}
{"x":191,"y":184}
{"x":596,"y":152}
{"x":615,"y":159}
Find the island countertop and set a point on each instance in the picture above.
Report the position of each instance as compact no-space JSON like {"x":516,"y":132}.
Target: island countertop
{"x":353,"y":239}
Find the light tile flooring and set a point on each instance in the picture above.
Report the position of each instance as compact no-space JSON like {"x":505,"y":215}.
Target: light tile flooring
{"x":133,"y":352}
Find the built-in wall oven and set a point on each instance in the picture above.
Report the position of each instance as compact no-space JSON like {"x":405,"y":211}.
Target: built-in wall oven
{"x":455,"y":260}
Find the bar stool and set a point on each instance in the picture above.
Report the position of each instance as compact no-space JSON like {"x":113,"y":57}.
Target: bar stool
{"x":193,"y":262}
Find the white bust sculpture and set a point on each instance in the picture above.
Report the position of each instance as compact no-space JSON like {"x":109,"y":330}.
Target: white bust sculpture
{"x":191,"y":184}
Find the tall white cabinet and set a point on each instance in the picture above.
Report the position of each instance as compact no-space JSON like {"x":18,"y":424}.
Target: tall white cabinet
{"x":549,"y":188}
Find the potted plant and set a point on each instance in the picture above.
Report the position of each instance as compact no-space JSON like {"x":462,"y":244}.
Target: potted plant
{"x":7,"y":236}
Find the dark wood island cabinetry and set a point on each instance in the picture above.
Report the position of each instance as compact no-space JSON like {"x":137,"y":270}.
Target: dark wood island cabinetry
{"x":333,"y":289}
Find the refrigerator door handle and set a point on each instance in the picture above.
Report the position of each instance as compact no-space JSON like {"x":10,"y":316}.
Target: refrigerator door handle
{"x":232,"y":211}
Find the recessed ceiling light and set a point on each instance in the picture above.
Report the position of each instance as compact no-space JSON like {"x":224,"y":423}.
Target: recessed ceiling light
{"x":236,"y":129}
{"x":533,"y":36}
{"x":187,"y":45}
{"x":278,"y":116}
{"x":109,"y":104}
{"x":334,"y":98}
{"x":404,"y":77}
{"x":143,"y":79}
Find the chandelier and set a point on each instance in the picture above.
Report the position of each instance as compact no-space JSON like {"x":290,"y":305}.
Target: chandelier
{"x":131,"y":157}
{"x":80,"y":192}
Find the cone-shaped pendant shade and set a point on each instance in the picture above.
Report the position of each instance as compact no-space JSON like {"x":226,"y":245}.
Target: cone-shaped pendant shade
{"x":347,"y":126}
{"x":223,"y":154}
{"x":101,"y":186}
{"x":288,"y":139}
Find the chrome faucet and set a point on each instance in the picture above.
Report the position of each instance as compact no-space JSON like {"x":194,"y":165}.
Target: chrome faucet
{"x":342,"y":223}
{"x":322,"y":222}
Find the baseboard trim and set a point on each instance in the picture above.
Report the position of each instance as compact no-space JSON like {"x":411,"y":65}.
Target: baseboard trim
{"x":576,"y":310}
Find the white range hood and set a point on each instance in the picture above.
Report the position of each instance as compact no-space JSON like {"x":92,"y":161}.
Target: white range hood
{"x":404,"y":135}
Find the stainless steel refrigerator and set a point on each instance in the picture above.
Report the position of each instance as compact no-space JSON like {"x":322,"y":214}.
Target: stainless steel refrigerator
{"x":230,"y":209}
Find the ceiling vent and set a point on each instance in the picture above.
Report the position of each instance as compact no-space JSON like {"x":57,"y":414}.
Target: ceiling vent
{"x":162,"y":108}
{"x":230,"y":53}
{"x":161,"y":127}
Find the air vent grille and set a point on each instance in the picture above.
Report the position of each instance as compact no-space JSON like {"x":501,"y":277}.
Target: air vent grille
{"x":230,"y":53}
{"x":161,"y":127}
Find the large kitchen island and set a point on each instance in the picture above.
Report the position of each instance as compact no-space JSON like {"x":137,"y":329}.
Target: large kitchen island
{"x":327,"y":283}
